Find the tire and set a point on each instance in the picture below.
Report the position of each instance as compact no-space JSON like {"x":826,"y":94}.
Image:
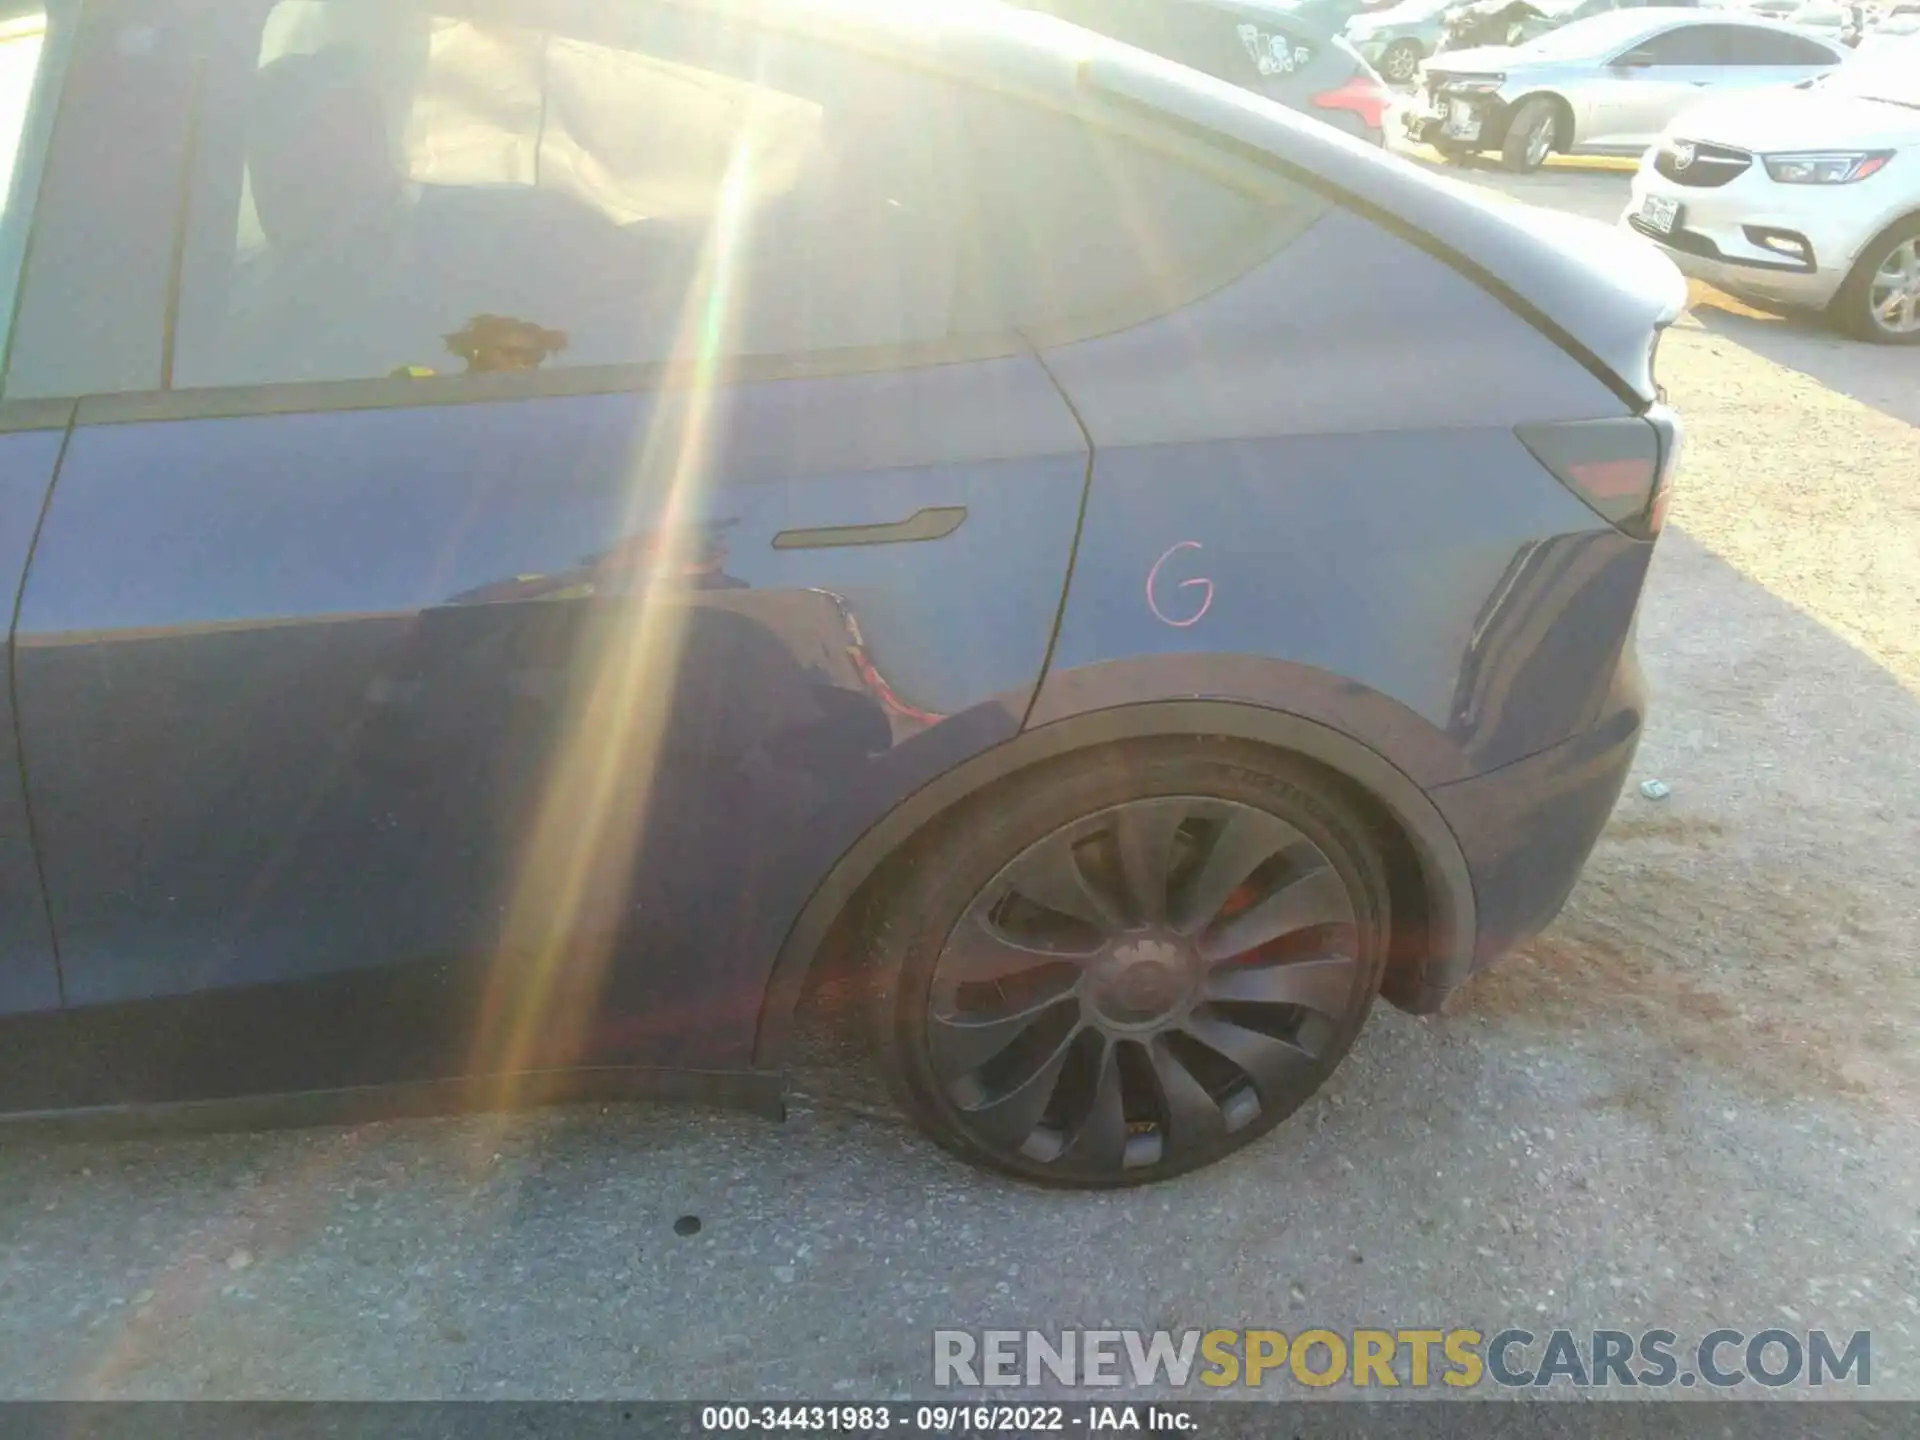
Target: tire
{"x":1400,"y":62}
{"x":1529,"y":138}
{"x":1854,"y":306}
{"x":1134,"y":1028}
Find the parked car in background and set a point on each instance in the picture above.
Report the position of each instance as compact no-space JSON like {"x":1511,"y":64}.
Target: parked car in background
{"x":1398,"y":38}
{"x":1901,"y":20}
{"x":1515,"y":22}
{"x":1329,"y":15}
{"x":491,"y":628}
{"x":1803,"y":197}
{"x":1603,"y":86}
{"x":1290,"y":53}
{"x":1512,"y":22}
{"x":1831,"y":22}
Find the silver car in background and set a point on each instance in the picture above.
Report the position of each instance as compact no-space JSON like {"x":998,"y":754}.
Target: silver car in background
{"x":1396,"y":39}
{"x":1605,"y":86}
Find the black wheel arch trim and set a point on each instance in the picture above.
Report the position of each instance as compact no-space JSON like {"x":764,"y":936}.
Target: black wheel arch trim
{"x":1448,"y":885}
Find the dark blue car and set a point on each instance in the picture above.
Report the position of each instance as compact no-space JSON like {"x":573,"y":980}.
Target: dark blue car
{"x":537,"y":528}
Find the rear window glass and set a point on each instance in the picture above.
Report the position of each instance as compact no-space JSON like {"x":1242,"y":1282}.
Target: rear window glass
{"x":392,"y":189}
{"x":1769,"y":47}
{"x":93,"y":308}
{"x":23,"y":40}
{"x":419,"y":188}
{"x":1221,"y":42}
{"x":23,"y":52}
{"x":1075,"y":228}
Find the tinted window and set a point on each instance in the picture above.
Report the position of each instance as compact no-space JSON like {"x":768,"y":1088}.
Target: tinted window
{"x":1768,"y":47}
{"x":409,"y":187}
{"x":1071,"y":226}
{"x":1209,"y":38}
{"x":401,"y":187}
{"x":93,"y":305}
{"x":22,"y":42}
{"x":1689,"y":45}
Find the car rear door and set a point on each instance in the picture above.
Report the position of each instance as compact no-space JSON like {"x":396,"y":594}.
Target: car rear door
{"x":498,"y":567}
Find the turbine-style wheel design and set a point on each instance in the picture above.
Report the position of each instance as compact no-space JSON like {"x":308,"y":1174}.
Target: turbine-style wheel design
{"x":1146,"y":986}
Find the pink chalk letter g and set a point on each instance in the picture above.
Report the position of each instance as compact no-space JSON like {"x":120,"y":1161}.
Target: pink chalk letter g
{"x":1153,"y":581}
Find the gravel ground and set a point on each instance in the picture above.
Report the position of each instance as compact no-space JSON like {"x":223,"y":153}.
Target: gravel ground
{"x":1692,"y":1103}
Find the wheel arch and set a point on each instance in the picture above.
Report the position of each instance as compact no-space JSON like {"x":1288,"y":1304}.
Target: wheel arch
{"x":1909,"y":216}
{"x":1434,"y":922}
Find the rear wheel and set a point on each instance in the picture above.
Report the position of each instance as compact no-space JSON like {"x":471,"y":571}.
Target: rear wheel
{"x":1130,"y":964}
{"x":1881,"y":298}
{"x":1400,"y":62}
{"x":1530,"y":135}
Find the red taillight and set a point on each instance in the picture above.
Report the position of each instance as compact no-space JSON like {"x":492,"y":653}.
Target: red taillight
{"x":1613,"y":481}
{"x":1363,"y":95}
{"x":1623,"y":468}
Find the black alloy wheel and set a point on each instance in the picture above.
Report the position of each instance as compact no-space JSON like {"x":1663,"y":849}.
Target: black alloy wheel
{"x":1147,"y":986}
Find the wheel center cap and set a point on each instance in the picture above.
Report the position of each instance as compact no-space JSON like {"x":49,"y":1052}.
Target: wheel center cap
{"x":1141,"y":981}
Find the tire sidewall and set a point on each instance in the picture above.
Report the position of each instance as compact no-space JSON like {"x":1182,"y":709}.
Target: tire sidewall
{"x":1527,"y":121}
{"x":945,"y":875}
{"x":1851,"y":304}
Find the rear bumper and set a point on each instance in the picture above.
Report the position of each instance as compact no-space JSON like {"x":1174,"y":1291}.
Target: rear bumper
{"x":1424,"y":121}
{"x":1526,"y":829}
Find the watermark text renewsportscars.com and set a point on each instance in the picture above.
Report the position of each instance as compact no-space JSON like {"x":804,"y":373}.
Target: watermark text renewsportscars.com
{"x":1415,"y":1358}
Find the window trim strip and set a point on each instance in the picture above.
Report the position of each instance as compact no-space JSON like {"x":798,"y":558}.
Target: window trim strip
{"x":321,"y":397}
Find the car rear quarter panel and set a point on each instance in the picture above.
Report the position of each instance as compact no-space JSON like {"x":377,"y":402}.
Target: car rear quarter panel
{"x":1308,"y":495}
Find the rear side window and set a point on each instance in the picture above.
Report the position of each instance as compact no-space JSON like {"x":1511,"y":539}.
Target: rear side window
{"x":398,"y":188}
{"x":1075,"y":229}
{"x":1735,"y":45}
{"x":1769,"y":47}
{"x":1196,"y":33}
{"x":23,"y":42}
{"x":26,"y":104}
{"x":1689,"y":45}
{"x":402,"y":188}
{"x":92,"y":314}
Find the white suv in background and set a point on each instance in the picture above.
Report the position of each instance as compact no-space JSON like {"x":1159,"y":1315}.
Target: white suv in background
{"x":1802,"y":196}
